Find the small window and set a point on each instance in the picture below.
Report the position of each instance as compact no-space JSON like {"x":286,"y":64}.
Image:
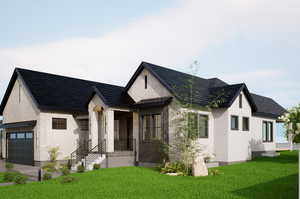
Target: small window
{"x":59,"y":123}
{"x":146,"y":81}
{"x":19,"y":93}
{"x":241,"y":101}
{"x":245,"y":124}
{"x":267,"y":130}
{"x":234,"y":122}
{"x":203,"y":126}
{"x":116,"y":130}
{"x":20,"y":135}
{"x":12,"y":136}
{"x":29,"y":135}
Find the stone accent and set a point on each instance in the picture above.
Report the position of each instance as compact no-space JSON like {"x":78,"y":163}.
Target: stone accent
{"x":199,"y":167}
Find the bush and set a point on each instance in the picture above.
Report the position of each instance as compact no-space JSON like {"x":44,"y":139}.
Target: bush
{"x":9,"y":166}
{"x":96,"y":166}
{"x":214,"y":172}
{"x":80,"y":169}
{"x":65,"y":171}
{"x":10,"y":176}
{"x":47,"y":176}
{"x":20,"y":179}
{"x":50,"y":167}
{"x":175,"y":167}
{"x":68,"y":179}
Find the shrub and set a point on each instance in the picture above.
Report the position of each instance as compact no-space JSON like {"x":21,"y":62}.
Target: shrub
{"x":96,"y":166}
{"x":175,"y":167}
{"x":20,"y":179}
{"x":50,"y":167}
{"x":214,"y":172}
{"x":80,"y":169}
{"x":65,"y":171}
{"x":47,"y":176}
{"x":68,"y":179}
{"x":10,"y":176}
{"x":9,"y":166}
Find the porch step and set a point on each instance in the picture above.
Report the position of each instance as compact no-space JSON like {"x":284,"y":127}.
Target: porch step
{"x":270,"y":154}
{"x":120,"y":153}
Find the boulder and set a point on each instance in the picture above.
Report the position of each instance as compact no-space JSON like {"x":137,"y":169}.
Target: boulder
{"x":199,"y":167}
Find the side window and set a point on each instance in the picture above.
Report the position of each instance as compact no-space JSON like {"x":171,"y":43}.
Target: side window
{"x":267,"y":131}
{"x":59,"y":123}
{"x":234,"y":122}
{"x":245,"y":124}
{"x":198,"y":125}
{"x":116,"y":129}
{"x":203,"y":126}
{"x":151,"y":127}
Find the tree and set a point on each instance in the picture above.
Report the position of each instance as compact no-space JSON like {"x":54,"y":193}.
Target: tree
{"x":291,"y":121}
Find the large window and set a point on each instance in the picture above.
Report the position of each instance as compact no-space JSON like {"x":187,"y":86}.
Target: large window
{"x":59,"y":123}
{"x":151,"y":125}
{"x":234,"y":122}
{"x":198,"y":125}
{"x":245,"y":124}
{"x":267,"y":131}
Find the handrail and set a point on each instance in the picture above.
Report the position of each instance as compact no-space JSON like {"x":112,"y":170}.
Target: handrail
{"x":80,"y":152}
{"x":96,"y":150}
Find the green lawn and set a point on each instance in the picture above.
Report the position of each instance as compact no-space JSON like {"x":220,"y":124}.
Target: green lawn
{"x":262,"y":178}
{"x":1,"y":177}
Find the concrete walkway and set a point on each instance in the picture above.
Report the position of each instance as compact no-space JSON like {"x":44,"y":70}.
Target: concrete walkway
{"x":30,"y":171}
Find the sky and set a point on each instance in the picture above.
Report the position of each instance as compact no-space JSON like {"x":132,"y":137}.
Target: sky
{"x":252,"y":41}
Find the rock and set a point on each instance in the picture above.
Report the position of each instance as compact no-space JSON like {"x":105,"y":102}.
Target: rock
{"x":172,"y":174}
{"x":199,"y":167}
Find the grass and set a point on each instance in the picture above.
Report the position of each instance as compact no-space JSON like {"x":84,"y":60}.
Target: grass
{"x":261,"y":178}
{"x":1,"y":177}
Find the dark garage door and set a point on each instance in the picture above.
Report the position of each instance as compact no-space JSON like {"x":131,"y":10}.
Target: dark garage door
{"x":20,"y":147}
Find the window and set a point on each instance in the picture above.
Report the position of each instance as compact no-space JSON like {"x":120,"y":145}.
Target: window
{"x":241,"y":101}
{"x":12,"y":136}
{"x":29,"y":135}
{"x":20,"y":135}
{"x":19,"y":93}
{"x":203,"y":126}
{"x":198,"y":125}
{"x":146,"y":81}
{"x":151,"y":125}
{"x":234,"y":122}
{"x":59,"y":123}
{"x":267,"y":131}
{"x":245,"y":124}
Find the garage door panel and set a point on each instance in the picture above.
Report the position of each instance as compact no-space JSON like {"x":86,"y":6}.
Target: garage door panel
{"x":20,"y":148}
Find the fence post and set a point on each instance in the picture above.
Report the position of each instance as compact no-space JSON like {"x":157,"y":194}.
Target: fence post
{"x":40,"y":175}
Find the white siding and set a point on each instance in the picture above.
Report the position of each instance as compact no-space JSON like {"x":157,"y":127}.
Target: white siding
{"x":154,"y":88}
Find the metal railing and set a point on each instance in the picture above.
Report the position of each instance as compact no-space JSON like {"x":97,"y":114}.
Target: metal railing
{"x":94,"y":152}
{"x":124,"y":145}
{"x":80,"y":153}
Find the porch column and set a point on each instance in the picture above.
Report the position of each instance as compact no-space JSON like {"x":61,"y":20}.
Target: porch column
{"x":94,"y":127}
{"x":135,"y":132}
{"x":110,"y":131}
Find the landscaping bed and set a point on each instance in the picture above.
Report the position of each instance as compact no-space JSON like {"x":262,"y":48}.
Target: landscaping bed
{"x":263,"y":177}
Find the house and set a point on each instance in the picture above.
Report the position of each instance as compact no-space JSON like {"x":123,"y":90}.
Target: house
{"x":1,"y":140}
{"x":93,"y":122}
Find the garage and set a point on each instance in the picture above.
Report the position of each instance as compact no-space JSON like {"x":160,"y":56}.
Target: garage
{"x":20,"y":147}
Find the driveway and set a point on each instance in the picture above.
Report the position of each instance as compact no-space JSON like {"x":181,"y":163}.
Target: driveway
{"x":30,"y":171}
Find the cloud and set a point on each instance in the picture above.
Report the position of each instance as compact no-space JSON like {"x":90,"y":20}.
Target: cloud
{"x":253,"y":76}
{"x":172,"y":37}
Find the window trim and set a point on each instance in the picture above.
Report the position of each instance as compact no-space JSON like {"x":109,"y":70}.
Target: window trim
{"x":237,"y":128}
{"x":243,"y":127}
{"x":207,"y":129}
{"x":269,"y":131}
{"x":56,"y":118}
{"x":151,"y":127}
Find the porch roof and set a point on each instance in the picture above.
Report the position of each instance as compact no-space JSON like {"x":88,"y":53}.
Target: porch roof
{"x":161,"y":101}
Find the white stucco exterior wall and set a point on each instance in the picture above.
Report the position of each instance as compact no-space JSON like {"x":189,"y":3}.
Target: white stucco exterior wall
{"x":21,"y":107}
{"x":257,"y":143}
{"x":238,"y":140}
{"x":67,"y":140}
{"x":154,"y":88}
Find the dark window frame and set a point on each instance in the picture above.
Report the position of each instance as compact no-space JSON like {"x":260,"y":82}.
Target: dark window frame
{"x":248,"y":124}
{"x":206,"y":127}
{"x":59,"y":126}
{"x":152,"y":128}
{"x":237,"y":122}
{"x":269,"y":132}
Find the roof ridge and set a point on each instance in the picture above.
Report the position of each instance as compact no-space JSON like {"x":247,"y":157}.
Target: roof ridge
{"x":68,"y":77}
{"x":241,"y":84}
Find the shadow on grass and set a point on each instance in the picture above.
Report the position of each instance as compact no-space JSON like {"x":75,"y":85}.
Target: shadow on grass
{"x":281,"y":188}
{"x":284,"y":158}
